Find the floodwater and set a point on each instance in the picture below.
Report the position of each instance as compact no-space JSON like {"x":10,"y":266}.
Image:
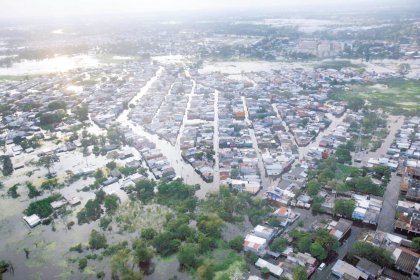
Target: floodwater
{"x":172,"y":153}
{"x":49,"y":65}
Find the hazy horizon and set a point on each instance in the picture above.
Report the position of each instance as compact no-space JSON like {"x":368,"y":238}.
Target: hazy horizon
{"x":12,"y":9}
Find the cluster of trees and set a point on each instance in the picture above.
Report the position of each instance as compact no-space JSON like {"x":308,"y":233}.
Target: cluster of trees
{"x":32,"y":191}
{"x":342,"y":153}
{"x":318,"y":244}
{"x":373,"y":253}
{"x":42,"y":207}
{"x":332,"y":173}
{"x":365,"y":184}
{"x":50,"y":119}
{"x":344,"y":207}
{"x":231,"y":206}
{"x":93,"y":208}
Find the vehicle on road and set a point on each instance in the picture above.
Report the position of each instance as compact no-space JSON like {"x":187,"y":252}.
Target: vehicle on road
{"x":321,"y":267}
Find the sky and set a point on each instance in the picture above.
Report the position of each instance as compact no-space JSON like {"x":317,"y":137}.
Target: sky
{"x":60,"y":8}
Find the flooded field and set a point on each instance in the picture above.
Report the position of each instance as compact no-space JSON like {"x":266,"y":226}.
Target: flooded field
{"x":49,"y":65}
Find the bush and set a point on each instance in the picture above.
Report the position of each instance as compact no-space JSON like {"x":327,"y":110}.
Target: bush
{"x":82,"y":264}
{"x":97,"y":240}
{"x":237,"y":243}
{"x":77,"y":248}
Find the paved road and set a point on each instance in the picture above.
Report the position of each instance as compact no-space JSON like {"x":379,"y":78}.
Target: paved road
{"x":386,"y":218}
{"x":395,"y":123}
{"x":387,"y":215}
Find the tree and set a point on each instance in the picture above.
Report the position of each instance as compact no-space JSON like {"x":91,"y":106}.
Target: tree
{"x":313,"y":187}
{"x":165,"y":244}
{"x":205,"y":242}
{"x":111,"y":203}
{"x":12,"y":191}
{"x":121,"y":266}
{"x":205,"y":271}
{"x":237,"y":243}
{"x":111,"y":165}
{"x":46,"y":161}
{"x":384,"y":171}
{"x":188,"y":255}
{"x":145,"y":189}
{"x":373,"y":253}
{"x":344,"y":207}
{"x":97,"y":240}
{"x":326,"y":240}
{"x":91,"y":212}
{"x":32,"y":191}
{"x":304,"y":243}
{"x":318,"y":251}
{"x":416,"y":244}
{"x":265,"y":271}
{"x":7,"y":165}
{"x":299,"y":273}
{"x":42,"y":207}
{"x":355,"y":103}
{"x":211,"y":225}
{"x":279,"y":244}
{"x":148,"y":233}
{"x":317,"y":204}
{"x":142,"y":253}
{"x":343,"y":154}
{"x":49,"y":185}
{"x":82,"y":264}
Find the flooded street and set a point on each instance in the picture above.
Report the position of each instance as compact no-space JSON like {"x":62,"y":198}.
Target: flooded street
{"x":172,"y":153}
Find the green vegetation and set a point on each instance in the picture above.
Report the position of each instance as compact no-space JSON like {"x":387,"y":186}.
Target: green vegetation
{"x":416,"y":244}
{"x":279,"y":244}
{"x":318,"y":243}
{"x":92,"y":210}
{"x":299,"y":273}
{"x":395,"y":95}
{"x":32,"y":191}
{"x":337,"y":64}
{"x":333,"y":174}
{"x":42,"y":207}
{"x":97,"y":240}
{"x":7,"y":168}
{"x":237,"y":243}
{"x":344,"y":207}
{"x":12,"y":191}
{"x":373,"y":253}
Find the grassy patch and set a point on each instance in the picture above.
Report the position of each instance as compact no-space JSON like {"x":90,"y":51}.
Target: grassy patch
{"x":134,"y":216}
{"x":337,"y":64}
{"x":397,"y":96}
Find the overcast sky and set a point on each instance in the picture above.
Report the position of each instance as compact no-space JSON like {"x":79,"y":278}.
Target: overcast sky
{"x":59,"y":8}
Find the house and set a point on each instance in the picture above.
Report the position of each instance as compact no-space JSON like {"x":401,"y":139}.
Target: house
{"x":341,"y":268}
{"x":255,"y":244}
{"x":58,"y":204}
{"x":340,"y":229}
{"x":285,"y":216}
{"x":371,"y":269}
{"x":406,"y":260}
{"x":267,"y":233}
{"x":32,"y":221}
{"x":274,"y":269}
